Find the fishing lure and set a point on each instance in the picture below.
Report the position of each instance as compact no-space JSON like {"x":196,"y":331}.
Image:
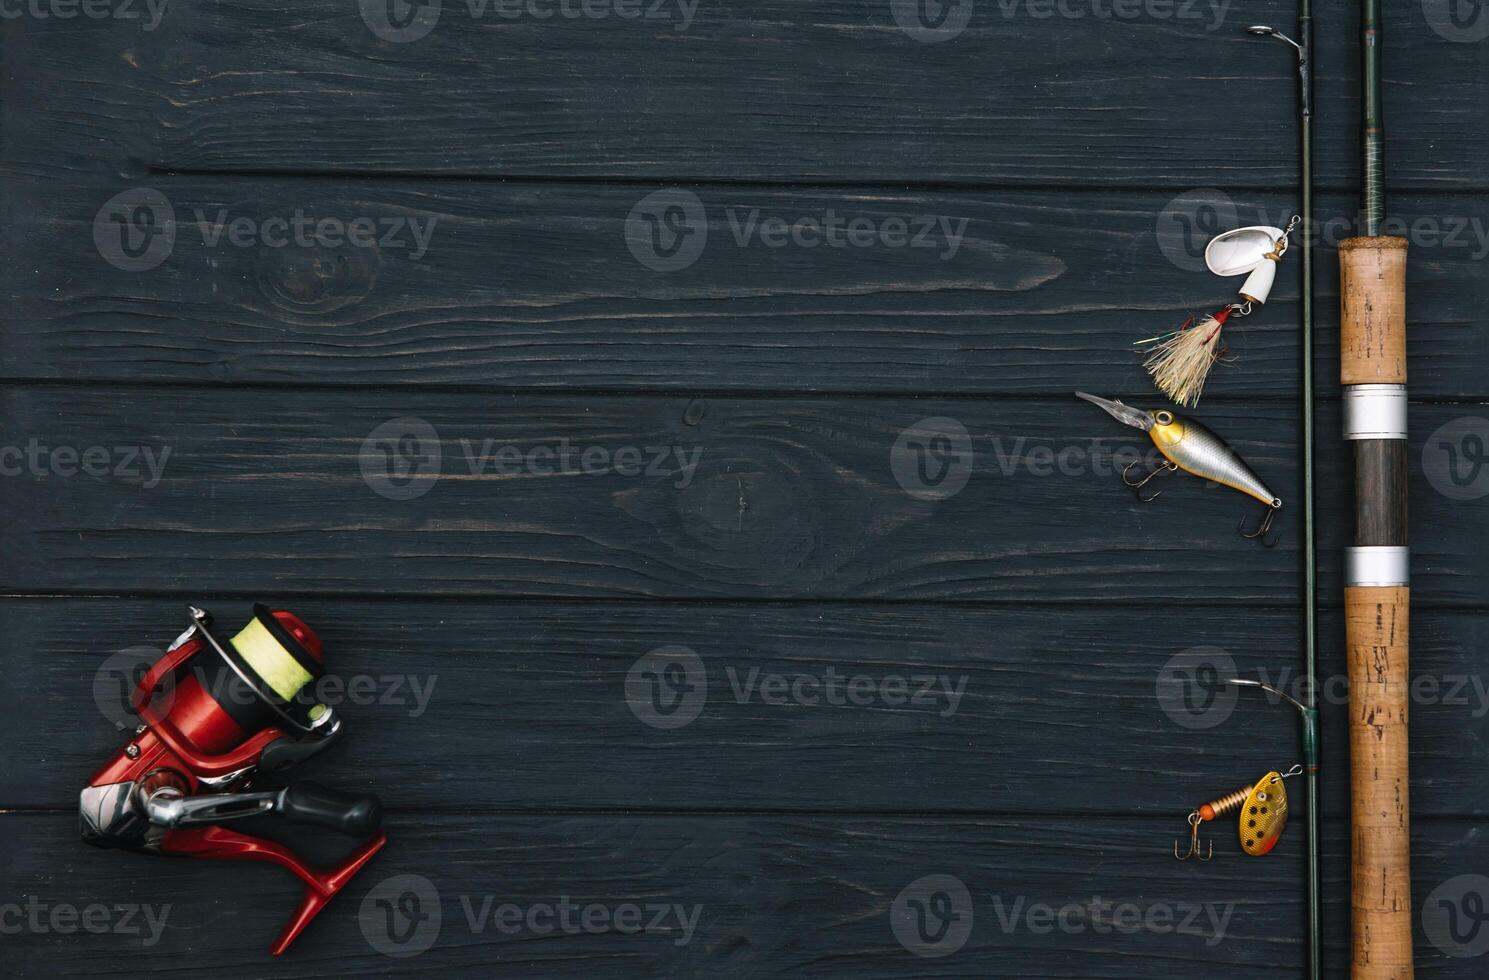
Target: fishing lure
{"x":1263,"y":815}
{"x":1186,"y":445}
{"x":1180,"y":360}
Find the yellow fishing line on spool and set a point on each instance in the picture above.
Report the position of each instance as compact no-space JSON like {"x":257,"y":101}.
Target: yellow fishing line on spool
{"x":275,"y":665}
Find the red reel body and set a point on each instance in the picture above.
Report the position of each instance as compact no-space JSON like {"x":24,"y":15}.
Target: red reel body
{"x":215,"y":717}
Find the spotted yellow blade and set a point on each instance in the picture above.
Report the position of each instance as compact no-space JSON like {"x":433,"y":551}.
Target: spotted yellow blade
{"x":1263,"y":815}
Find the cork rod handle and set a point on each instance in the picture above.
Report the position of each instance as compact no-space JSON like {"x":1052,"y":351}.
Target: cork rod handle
{"x":1380,"y":899}
{"x":1372,"y":310}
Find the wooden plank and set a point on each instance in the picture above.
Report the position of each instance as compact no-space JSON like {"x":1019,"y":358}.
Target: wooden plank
{"x":552,"y":705}
{"x":833,"y":90}
{"x":536,"y":287}
{"x":323,"y":492}
{"x":765,"y":895}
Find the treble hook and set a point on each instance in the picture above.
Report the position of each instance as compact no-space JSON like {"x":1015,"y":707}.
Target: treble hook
{"x":1167,"y":466}
{"x":1194,"y":848}
{"x":1266,"y":525}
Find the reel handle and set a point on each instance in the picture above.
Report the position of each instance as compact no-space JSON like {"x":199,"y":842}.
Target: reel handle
{"x":353,"y":814}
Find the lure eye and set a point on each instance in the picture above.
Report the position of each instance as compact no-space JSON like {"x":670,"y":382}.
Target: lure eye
{"x":1164,"y":418}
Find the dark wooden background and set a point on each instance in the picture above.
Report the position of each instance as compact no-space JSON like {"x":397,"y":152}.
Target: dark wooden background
{"x":526,"y":599}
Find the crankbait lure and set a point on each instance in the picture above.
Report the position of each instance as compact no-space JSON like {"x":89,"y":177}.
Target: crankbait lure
{"x":1263,"y":815}
{"x":1186,"y":445}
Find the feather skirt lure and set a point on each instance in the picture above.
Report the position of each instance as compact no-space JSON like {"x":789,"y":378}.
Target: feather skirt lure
{"x":1180,"y":361}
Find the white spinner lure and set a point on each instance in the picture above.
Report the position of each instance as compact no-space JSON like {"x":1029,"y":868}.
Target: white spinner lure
{"x":1180,"y":361}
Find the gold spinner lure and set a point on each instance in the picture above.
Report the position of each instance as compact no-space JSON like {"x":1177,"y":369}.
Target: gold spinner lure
{"x":1186,"y":445}
{"x":1263,"y":814}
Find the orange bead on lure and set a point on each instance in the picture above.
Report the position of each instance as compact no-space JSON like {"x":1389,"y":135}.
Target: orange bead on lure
{"x":1263,"y":815}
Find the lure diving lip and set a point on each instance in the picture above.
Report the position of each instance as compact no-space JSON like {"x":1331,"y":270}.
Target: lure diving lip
{"x":1189,"y":446}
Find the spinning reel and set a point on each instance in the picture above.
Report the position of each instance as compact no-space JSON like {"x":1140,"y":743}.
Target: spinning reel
{"x":214,"y":717}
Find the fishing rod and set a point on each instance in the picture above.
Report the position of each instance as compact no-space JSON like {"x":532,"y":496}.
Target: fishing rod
{"x":1377,"y":596}
{"x":1303,"y":48}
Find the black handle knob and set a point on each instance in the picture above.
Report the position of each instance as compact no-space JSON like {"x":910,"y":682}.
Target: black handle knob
{"x":353,"y":814}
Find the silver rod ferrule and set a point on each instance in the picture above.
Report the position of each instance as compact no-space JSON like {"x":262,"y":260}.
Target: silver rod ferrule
{"x":1380,"y":565}
{"x":1374,"y":412}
